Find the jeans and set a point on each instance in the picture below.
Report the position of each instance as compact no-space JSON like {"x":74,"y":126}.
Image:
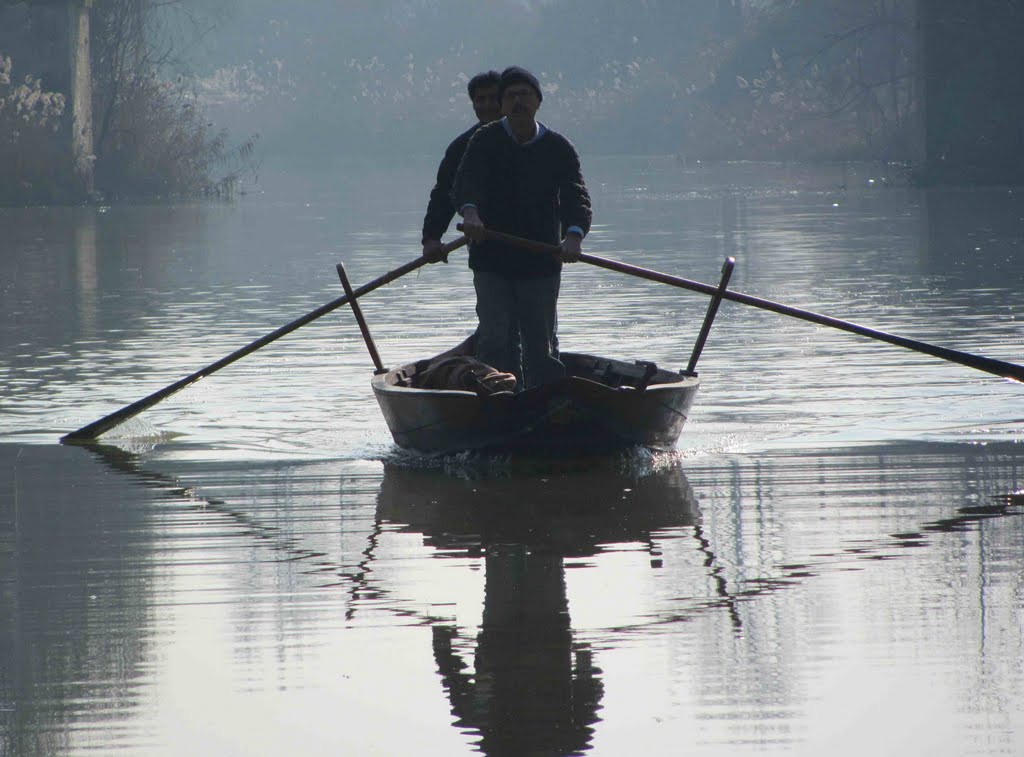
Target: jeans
{"x":530,"y":306}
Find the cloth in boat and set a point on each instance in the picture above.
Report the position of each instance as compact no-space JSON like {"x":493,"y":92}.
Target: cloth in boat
{"x":467,"y":373}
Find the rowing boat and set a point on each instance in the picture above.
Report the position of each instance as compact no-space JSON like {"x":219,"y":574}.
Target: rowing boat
{"x":602,"y":404}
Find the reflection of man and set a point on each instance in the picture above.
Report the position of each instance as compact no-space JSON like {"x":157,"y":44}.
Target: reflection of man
{"x":520,"y":177}
{"x":532,"y":690}
{"x":483,"y":93}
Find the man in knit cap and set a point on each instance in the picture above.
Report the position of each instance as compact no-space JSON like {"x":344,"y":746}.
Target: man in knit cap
{"x":483,"y":94}
{"x":519,"y":177}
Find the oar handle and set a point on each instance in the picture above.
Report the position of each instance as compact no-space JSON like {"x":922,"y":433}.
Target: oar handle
{"x":526,"y":244}
{"x":978,"y":362}
{"x":94,"y":429}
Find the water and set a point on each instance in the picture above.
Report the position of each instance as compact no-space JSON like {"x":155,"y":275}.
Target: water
{"x":830,"y":562}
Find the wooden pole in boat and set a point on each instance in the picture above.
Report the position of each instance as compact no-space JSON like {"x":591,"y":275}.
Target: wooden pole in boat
{"x":363,"y":328}
{"x":107,"y":422}
{"x":709,"y":317}
{"x":978,"y":362}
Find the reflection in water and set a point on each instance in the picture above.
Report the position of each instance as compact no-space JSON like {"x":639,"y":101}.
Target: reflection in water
{"x":133,"y":595}
{"x":970,"y":233}
{"x":878,"y":480}
{"x":75,"y":579}
{"x":531,"y":687}
{"x":79,"y":586}
{"x":86,"y":268}
{"x":265,"y":534}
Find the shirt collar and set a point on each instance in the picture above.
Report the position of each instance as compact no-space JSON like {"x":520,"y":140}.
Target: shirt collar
{"x":541,"y":131}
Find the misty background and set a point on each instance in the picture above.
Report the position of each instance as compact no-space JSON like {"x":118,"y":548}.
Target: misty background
{"x":725,"y":79}
{"x":188,"y":96}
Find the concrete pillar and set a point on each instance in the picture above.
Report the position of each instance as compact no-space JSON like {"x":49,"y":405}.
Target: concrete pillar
{"x":80,"y":45}
{"x":919,"y":92}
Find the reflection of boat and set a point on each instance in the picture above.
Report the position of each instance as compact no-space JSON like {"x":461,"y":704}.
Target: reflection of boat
{"x":567,"y":510}
{"x":602,"y":403}
{"x":531,"y":687}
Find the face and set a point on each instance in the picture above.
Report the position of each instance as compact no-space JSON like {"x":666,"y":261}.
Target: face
{"x":520,"y":102}
{"x":486,"y":104}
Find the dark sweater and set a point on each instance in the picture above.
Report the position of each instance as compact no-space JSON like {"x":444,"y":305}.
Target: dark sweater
{"x":534,"y":191}
{"x":440,"y":209}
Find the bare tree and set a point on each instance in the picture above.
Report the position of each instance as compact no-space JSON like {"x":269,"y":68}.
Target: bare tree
{"x":152,"y":137}
{"x":822,"y":78}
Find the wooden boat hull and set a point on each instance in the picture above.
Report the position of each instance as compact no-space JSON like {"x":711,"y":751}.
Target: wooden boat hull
{"x":580,"y":412}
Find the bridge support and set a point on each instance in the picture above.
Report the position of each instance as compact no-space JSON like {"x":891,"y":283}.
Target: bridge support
{"x":80,"y":47}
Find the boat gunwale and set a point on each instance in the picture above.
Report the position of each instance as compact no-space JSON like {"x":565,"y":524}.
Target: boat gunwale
{"x":379,"y":382}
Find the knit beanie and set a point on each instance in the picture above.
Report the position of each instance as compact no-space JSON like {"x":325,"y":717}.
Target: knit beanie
{"x":516,"y":75}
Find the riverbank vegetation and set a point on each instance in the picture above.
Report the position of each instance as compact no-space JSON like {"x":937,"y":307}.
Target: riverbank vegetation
{"x":32,"y":154}
{"x":802,"y":80}
{"x":151,"y":136}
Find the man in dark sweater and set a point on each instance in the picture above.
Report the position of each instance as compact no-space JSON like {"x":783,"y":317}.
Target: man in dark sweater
{"x":483,"y":93}
{"x":519,"y":177}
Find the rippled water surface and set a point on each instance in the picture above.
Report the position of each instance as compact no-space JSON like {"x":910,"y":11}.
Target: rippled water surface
{"x":830,"y":563}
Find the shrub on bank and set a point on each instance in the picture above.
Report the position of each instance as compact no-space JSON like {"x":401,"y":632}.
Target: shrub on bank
{"x":152,"y":141}
{"x":34,"y":152}
{"x":157,"y":143}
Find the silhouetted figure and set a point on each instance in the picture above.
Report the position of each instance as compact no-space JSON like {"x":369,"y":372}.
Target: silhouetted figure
{"x":483,"y":94}
{"x":519,"y":177}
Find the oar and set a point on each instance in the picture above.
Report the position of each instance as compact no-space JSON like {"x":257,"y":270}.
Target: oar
{"x":709,"y":317}
{"x":94,"y":429}
{"x":978,"y":362}
{"x":360,"y":320}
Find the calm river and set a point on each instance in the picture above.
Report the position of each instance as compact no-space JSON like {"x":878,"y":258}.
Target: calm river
{"x":832,"y":562}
